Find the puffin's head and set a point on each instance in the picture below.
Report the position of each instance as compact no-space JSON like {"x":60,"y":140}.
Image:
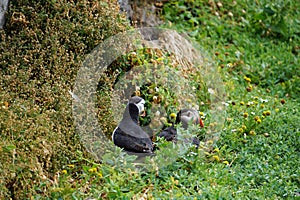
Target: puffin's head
{"x":187,"y":116}
{"x":140,"y":104}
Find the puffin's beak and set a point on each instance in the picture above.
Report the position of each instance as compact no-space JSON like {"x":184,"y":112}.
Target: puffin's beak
{"x":201,"y":123}
{"x":143,"y":114}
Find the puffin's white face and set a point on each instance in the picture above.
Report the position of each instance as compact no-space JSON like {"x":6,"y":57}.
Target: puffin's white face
{"x":141,"y":106}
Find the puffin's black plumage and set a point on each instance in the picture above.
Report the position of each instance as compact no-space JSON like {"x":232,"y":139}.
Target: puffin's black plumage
{"x":185,"y":117}
{"x":168,"y":133}
{"x":129,"y":135}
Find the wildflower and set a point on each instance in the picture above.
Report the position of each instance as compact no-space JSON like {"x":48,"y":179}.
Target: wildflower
{"x":229,"y":65}
{"x":201,"y":113}
{"x":252,"y":133}
{"x":242,"y":103}
{"x":262,"y":105}
{"x":99,"y":175}
{"x":173,"y":115}
{"x":225,"y":162}
{"x":249,"y":104}
{"x":258,"y":121}
{"x":267,"y":113}
{"x":266,"y":134}
{"x":247,"y":79}
{"x":64,"y":171}
{"x":256,"y":118}
{"x":245,"y":115}
{"x":244,"y":127}
{"x":277,"y":110}
{"x":71,"y":166}
{"x":137,"y":93}
{"x":216,"y":158}
{"x":241,"y":130}
{"x":92,"y":170}
{"x":282,"y":101}
{"x":216,"y":150}
{"x":249,"y":89}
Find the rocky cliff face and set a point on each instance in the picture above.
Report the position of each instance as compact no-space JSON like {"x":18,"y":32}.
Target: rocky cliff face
{"x":142,"y":13}
{"x":3,"y":9}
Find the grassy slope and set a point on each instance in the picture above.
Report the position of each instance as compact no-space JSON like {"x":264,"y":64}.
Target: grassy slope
{"x":252,"y":159}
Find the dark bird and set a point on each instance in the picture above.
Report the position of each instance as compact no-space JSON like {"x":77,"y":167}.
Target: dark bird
{"x":185,"y":117}
{"x":128,"y":134}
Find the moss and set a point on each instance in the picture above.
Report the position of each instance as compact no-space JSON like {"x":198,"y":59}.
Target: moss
{"x":42,"y":47}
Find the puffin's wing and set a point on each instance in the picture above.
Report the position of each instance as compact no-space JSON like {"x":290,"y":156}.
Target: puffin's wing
{"x":130,"y":142}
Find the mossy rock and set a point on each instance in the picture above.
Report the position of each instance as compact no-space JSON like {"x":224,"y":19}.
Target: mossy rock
{"x":42,"y":45}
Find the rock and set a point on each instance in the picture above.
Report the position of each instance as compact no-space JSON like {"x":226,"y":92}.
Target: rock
{"x":3,"y":9}
{"x":126,"y":8}
{"x":142,"y":13}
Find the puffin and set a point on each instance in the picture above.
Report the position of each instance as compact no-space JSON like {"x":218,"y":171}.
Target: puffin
{"x":128,"y":134}
{"x":185,"y":117}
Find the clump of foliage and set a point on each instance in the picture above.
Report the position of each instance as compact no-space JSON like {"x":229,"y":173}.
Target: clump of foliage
{"x":42,"y":46}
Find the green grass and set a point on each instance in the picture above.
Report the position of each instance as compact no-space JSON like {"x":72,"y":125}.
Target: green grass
{"x":256,"y":49}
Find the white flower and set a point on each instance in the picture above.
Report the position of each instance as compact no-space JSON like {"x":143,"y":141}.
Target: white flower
{"x":211,"y":91}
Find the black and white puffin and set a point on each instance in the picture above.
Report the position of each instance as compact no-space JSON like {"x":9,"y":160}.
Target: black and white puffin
{"x":185,"y":117}
{"x":128,"y":134}
{"x":188,"y":116}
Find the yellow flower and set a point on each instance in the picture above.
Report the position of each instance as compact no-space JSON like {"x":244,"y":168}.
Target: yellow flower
{"x":245,"y":114}
{"x":277,"y":110}
{"x":100,"y":175}
{"x":201,"y":113}
{"x":216,"y":158}
{"x":242,"y":103}
{"x":71,"y":166}
{"x":262,"y":105}
{"x":256,"y":118}
{"x":226,"y":162}
{"x":173,"y":115}
{"x":252,"y":133}
{"x":64,"y":171}
{"x":249,"y":104}
{"x":247,"y":79}
{"x":258,"y":121}
{"x":137,"y":93}
{"x":267,"y":113}
{"x":92,"y":170}
{"x":241,"y":130}
{"x":216,"y":150}
{"x":244,"y":127}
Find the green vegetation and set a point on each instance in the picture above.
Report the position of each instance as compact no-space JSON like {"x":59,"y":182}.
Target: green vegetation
{"x":256,"y":48}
